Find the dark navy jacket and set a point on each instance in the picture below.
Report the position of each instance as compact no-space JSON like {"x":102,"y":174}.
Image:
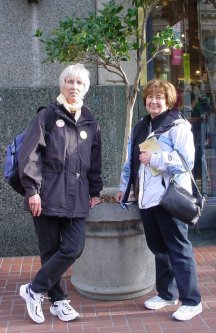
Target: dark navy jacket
{"x":65,"y":169}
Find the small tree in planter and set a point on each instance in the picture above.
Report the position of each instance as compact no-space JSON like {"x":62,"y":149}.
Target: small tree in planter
{"x":108,"y":40}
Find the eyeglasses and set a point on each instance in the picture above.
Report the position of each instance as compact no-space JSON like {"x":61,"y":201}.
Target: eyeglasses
{"x":157,"y":97}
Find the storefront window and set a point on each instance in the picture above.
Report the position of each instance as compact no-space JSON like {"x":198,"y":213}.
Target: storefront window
{"x":193,"y":72}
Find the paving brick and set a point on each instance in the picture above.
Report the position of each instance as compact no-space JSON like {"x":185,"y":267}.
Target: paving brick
{"x":128,"y":316}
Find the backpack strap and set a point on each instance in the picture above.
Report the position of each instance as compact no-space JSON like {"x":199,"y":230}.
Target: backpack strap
{"x":50,"y":118}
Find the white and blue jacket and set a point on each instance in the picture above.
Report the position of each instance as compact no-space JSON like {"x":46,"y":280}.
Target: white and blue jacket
{"x":178,"y":138}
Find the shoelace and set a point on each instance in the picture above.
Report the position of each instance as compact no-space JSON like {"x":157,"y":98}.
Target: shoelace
{"x":67,"y":305}
{"x":40,"y":298}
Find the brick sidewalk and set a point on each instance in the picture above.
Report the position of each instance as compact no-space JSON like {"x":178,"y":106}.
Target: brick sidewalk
{"x":103,"y":316}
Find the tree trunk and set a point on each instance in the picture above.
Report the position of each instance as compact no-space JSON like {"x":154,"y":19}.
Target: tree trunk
{"x":130,"y":102}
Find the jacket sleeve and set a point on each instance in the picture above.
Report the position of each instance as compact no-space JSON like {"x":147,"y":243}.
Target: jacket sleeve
{"x":29,"y":158}
{"x":169,"y":160}
{"x":94,"y":173}
{"x":125,"y":174}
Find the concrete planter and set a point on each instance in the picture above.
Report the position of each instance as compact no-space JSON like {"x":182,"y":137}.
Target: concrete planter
{"x":116,"y":263}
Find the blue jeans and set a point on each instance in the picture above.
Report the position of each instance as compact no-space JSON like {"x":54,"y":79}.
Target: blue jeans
{"x":167,"y":238}
{"x":61,"y":241}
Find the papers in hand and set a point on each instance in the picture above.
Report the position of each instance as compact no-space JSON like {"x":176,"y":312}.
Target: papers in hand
{"x":152,"y":145}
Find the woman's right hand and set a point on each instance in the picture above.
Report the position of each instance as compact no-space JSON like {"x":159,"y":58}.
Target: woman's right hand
{"x":119,"y":196}
{"x":35,"y":205}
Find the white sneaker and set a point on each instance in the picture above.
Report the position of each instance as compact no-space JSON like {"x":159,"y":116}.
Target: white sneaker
{"x":63,"y":310}
{"x":157,"y":302}
{"x":187,"y":312}
{"x":33,"y":302}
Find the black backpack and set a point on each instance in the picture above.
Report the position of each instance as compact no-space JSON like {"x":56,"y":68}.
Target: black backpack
{"x":11,"y":167}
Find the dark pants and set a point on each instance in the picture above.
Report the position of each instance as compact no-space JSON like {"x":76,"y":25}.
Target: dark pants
{"x":61,"y":242}
{"x":167,"y":238}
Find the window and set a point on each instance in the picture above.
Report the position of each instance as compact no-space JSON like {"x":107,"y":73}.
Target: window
{"x":193,"y":72}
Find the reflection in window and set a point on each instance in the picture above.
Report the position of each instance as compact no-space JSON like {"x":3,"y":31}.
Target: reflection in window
{"x":193,"y":72}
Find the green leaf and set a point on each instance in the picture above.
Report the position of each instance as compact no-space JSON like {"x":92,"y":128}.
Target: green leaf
{"x":38,"y":33}
{"x":108,"y":37}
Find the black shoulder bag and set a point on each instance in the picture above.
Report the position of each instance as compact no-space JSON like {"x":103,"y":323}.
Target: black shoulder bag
{"x":182,"y":204}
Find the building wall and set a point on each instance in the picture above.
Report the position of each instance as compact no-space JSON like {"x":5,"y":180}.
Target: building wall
{"x":22,"y":53}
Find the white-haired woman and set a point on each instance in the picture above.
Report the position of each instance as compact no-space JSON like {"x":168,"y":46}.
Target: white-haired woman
{"x":61,"y":174}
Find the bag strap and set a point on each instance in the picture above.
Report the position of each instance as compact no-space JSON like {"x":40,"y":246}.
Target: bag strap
{"x":163,"y":129}
{"x":50,"y":118}
{"x":190,"y":173}
{"x":167,"y":127}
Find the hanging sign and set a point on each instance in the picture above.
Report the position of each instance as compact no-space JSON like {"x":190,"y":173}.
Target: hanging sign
{"x":186,"y":66}
{"x":177,"y":56}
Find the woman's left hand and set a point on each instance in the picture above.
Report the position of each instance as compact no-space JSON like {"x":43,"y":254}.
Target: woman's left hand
{"x":94,"y":201}
{"x":145,"y":156}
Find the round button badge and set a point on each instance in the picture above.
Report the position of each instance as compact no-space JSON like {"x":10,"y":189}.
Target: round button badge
{"x":83,"y":135}
{"x":60,"y":123}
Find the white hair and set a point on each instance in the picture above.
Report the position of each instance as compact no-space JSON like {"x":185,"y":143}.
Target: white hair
{"x":75,"y":71}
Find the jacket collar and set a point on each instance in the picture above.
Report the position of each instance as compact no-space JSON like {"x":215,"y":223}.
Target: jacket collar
{"x":85,"y":117}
